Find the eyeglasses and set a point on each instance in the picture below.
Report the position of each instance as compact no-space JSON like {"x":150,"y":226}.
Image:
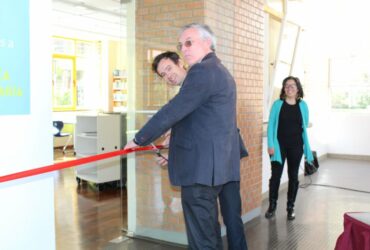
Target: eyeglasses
{"x":187,"y":44}
{"x":293,"y":86}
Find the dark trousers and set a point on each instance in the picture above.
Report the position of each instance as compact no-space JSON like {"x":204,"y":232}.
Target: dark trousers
{"x":200,"y":207}
{"x":293,"y":157}
{"x":231,"y":209}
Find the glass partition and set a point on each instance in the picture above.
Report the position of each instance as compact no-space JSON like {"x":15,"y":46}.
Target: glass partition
{"x":154,"y":206}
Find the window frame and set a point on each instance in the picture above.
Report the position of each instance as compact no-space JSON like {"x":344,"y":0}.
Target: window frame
{"x":75,"y":58}
{"x":74,"y":91}
{"x":350,"y":86}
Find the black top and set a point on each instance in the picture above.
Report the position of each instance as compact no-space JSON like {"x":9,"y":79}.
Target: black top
{"x":290,"y":126}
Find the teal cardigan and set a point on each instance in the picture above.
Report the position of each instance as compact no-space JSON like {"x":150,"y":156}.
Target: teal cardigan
{"x":272,"y":130}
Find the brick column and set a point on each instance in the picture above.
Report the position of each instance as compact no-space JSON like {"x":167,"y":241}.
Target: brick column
{"x":238,"y":26}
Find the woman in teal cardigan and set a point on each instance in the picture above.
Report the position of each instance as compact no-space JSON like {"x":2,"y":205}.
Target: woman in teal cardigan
{"x":287,"y":140}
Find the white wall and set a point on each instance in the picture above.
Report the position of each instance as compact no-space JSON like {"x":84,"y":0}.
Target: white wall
{"x":27,"y":205}
{"x":332,"y":132}
{"x":349,"y":133}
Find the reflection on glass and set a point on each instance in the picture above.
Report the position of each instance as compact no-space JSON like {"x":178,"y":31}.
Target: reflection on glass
{"x":158,"y":203}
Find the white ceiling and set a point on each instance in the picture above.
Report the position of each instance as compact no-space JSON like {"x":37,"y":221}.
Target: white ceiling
{"x":89,"y":18}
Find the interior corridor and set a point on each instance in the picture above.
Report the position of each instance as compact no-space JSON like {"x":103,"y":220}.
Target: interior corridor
{"x":87,"y":219}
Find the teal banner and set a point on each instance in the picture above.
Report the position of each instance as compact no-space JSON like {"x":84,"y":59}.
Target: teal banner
{"x":14,"y":57}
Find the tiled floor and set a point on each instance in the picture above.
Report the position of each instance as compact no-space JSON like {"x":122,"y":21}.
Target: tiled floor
{"x":319,"y":212}
{"x":319,"y":209}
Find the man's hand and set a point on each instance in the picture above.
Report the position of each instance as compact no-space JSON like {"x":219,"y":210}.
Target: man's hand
{"x":131,"y":145}
{"x":162,"y":160}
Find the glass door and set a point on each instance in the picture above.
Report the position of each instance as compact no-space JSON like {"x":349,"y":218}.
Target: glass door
{"x":153,"y":205}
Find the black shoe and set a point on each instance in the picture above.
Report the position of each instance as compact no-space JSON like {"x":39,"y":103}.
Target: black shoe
{"x":271,"y":210}
{"x":291,"y":214}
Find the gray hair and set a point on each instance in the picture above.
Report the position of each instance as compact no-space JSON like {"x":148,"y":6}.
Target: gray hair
{"x":205,"y":32}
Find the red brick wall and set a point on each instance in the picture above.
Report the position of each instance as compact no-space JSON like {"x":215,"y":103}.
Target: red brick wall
{"x":157,"y":28}
{"x":248,"y":73}
{"x":238,"y":26}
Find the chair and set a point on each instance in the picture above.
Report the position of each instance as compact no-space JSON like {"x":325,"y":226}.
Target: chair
{"x":58,"y":127}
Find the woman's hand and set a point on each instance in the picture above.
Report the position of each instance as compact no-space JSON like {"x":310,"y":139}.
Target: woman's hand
{"x":271,"y":151}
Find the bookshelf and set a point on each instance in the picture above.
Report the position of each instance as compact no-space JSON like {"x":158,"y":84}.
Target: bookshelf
{"x":119,"y":90}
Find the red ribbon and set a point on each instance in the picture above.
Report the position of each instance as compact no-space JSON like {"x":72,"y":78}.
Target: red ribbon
{"x":72,"y":163}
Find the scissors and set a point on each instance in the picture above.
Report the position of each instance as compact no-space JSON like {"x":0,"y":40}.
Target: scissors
{"x":158,"y":152}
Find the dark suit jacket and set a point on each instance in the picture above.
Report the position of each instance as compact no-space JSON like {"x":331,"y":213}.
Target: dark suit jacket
{"x":243,"y":148}
{"x":204,"y":144}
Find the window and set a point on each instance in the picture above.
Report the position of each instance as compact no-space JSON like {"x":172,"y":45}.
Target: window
{"x":349,"y":80}
{"x":276,"y":6}
{"x":285,"y":58}
{"x":76,"y":74}
{"x":63,"y":82}
{"x":282,"y":40}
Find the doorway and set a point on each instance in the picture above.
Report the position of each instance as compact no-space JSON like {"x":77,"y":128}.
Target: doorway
{"x":89,"y":80}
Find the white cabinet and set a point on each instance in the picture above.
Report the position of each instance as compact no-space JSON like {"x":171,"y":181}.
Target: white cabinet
{"x":97,"y":134}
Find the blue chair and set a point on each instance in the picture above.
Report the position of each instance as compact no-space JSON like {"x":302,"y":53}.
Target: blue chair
{"x":58,"y":127}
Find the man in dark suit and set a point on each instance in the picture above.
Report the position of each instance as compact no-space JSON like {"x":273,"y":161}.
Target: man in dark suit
{"x":170,"y":67}
{"x":204,"y":156}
